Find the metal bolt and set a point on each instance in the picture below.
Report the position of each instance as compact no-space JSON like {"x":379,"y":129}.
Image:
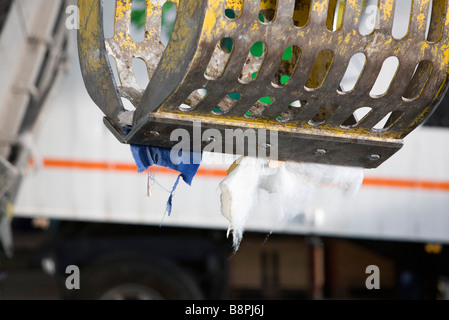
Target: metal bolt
{"x":155,"y":133}
{"x":374,"y":157}
{"x":320,"y":152}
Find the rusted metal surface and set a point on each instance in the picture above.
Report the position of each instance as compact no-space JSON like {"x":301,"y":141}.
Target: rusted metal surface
{"x":8,"y":174}
{"x":309,"y":110}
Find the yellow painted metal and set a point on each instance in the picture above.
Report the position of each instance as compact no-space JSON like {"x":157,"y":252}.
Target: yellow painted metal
{"x":325,"y":35}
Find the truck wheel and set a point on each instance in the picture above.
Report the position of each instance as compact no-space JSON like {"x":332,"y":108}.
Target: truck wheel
{"x":134,"y":280}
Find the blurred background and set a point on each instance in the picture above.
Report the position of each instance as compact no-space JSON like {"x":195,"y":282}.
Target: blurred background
{"x":70,"y":195}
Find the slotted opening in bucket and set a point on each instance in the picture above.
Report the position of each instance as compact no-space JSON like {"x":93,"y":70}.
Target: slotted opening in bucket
{"x":355,"y":118}
{"x":335,"y":14}
{"x":234,"y":9}
{"x":227,"y":103}
{"x":388,"y":121}
{"x":108,"y":21}
{"x":140,"y":73}
{"x":320,"y":70}
{"x":369,"y":17}
{"x":113,"y":66}
{"x":258,"y":108}
{"x":292,"y":110}
{"x":137,"y":30}
{"x":325,"y":113}
{"x":385,"y":78}
{"x":193,"y":100}
{"x":353,"y":73}
{"x":267,"y":11}
{"x":401,"y":20}
{"x":167,"y":21}
{"x":418,"y":81}
{"x":253,"y":62}
{"x":301,"y":13}
{"x":287,"y":66}
{"x":219,"y":60}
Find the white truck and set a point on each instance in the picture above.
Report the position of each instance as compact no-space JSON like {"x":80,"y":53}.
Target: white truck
{"x":102,"y":218}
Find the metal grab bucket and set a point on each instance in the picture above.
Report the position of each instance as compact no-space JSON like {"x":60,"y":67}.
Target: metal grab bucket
{"x":272,"y":66}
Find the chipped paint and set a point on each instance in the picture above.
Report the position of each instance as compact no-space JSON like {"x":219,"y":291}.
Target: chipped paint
{"x":386,"y":8}
{"x":320,"y":7}
{"x":246,"y":29}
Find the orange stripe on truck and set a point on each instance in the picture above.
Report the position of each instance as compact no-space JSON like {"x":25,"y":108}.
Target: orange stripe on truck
{"x":117,"y":166}
{"x":129,"y":167}
{"x":404,"y":183}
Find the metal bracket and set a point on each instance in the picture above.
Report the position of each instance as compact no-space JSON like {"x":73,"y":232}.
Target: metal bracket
{"x":208,"y":73}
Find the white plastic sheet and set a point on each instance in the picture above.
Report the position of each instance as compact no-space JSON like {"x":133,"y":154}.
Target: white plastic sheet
{"x":291,"y":187}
